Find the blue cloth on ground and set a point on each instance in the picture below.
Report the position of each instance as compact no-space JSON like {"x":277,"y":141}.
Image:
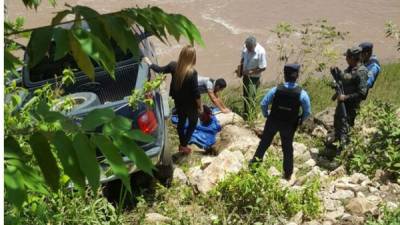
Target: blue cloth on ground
{"x":203,"y":136}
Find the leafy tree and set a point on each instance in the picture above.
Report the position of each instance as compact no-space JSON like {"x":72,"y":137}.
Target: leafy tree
{"x":42,"y":145}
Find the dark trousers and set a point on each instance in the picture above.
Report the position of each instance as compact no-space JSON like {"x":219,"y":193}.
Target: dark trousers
{"x":250,"y":86}
{"x":189,"y":113}
{"x":341,"y":128}
{"x":286,"y":131}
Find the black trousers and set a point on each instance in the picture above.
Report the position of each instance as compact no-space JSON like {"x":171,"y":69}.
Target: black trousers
{"x":341,"y":129}
{"x":189,"y":113}
{"x":286,"y":131}
{"x":250,"y":85}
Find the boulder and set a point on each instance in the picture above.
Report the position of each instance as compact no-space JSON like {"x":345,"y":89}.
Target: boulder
{"x":358,"y":178}
{"x":155,"y":218}
{"x":338,"y":212}
{"x":180,"y":176}
{"x":312,"y":222}
{"x":310,"y":163}
{"x":360,"y":206}
{"x":299,"y":149}
{"x":319,"y":131}
{"x":338,"y":172}
{"x":298,"y":218}
{"x":325,"y":117}
{"x":206,"y":161}
{"x":226,"y":162}
{"x":233,"y":137}
{"x":342,"y":194}
{"x":331,"y":204}
{"x":229,"y":118}
{"x":272,"y":171}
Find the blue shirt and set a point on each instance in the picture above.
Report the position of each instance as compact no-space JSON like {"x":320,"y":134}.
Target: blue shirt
{"x":304,"y":100}
{"x":373,"y":70}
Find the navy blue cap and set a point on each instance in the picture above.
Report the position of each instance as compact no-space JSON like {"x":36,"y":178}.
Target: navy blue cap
{"x":366,"y":46}
{"x":293,"y":67}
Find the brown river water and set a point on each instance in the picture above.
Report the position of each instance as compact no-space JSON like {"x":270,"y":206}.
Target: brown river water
{"x":224,"y":24}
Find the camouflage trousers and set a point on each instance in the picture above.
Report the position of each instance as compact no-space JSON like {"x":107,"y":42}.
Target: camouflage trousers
{"x":342,"y":127}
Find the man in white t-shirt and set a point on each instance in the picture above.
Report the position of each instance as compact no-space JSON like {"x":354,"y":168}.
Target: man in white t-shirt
{"x":252,"y":63}
{"x":212,"y":87}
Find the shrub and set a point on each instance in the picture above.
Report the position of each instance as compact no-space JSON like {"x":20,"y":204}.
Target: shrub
{"x":388,"y":217}
{"x":382,"y":149}
{"x":63,"y":207}
{"x":258,"y":196}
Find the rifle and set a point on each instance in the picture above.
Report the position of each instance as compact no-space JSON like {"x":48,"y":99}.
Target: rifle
{"x":338,"y":86}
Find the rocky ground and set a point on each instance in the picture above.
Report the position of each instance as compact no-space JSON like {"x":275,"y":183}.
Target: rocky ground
{"x":346,"y":198}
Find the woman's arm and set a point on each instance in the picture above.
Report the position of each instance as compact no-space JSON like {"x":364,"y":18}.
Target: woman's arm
{"x":160,"y":69}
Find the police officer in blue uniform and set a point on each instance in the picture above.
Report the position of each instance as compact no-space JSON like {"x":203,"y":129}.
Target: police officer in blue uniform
{"x":371,"y":62}
{"x":284,"y":117}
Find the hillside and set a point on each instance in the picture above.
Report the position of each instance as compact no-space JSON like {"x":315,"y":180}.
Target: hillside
{"x":358,"y":188}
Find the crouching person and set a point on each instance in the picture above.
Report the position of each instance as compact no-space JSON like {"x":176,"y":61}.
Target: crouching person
{"x":284,"y":117}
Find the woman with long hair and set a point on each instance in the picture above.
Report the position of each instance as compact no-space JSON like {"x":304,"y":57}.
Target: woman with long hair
{"x":184,"y":91}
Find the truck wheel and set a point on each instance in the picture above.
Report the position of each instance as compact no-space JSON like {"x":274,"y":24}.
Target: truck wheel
{"x":83,"y":100}
{"x":165,"y":168}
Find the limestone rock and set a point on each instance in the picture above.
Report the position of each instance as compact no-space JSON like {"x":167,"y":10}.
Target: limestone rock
{"x":330,"y":204}
{"x":229,"y":118}
{"x":359,"y":206}
{"x":155,"y":218}
{"x":340,"y":171}
{"x":233,"y":137}
{"x":342,"y":194}
{"x":310,"y":163}
{"x":312,"y":222}
{"x":391,"y":205}
{"x":319,"y":131}
{"x":299,"y":149}
{"x":180,"y":175}
{"x":205,"y":161}
{"x":226,"y":162}
{"x":301,"y":158}
{"x":357,"y":178}
{"x":335,"y":214}
{"x":272,"y":171}
{"x":298,"y":218}
{"x":325,"y":117}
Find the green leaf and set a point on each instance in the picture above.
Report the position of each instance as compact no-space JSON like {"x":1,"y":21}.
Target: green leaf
{"x":60,"y":16}
{"x":134,"y":153}
{"x":10,"y":61}
{"x":119,"y":30}
{"x":117,"y":125}
{"x":12,"y":150}
{"x":95,"y":22}
{"x":32,"y":179}
{"x":80,"y":57}
{"x":47,"y":115}
{"x":114,"y":158}
{"x":60,"y":37}
{"x":87,"y":160}
{"x":67,"y":155}
{"x":138,"y":135}
{"x":97,"y":118}
{"x":14,"y":185}
{"x":46,"y":161}
{"x":39,"y":44}
{"x":96,"y":49}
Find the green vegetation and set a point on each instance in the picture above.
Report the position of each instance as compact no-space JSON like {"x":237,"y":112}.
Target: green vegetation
{"x":64,"y":207}
{"x":387,"y":217}
{"x":380,"y":151}
{"x":41,"y":144}
{"x":249,"y":197}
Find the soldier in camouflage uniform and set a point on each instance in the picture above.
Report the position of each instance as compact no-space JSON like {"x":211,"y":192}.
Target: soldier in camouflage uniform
{"x":354,"y":79}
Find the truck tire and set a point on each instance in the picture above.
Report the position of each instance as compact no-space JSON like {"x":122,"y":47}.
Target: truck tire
{"x":165,"y":168}
{"x":83,"y":100}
